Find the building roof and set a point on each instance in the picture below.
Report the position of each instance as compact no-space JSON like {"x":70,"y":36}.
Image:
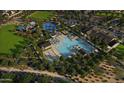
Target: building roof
{"x":49,"y":26}
{"x":21,"y":28}
{"x":101,"y":35}
{"x":44,"y":44}
{"x":34,"y":30}
{"x":33,"y":23}
{"x":112,"y":42}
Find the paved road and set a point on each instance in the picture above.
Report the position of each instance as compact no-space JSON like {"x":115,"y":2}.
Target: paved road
{"x":35,"y":72}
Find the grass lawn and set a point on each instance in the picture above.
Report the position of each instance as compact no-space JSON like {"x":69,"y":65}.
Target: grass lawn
{"x":109,"y":14}
{"x":120,"y":51}
{"x":41,"y":15}
{"x":7,"y":39}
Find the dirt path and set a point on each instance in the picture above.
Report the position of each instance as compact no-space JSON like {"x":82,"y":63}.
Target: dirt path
{"x":34,"y":71}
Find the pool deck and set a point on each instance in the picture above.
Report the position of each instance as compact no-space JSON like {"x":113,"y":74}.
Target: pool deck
{"x":52,"y":52}
{"x":55,"y":51}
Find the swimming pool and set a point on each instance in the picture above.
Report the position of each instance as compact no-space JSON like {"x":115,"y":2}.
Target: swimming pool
{"x":66,"y":45}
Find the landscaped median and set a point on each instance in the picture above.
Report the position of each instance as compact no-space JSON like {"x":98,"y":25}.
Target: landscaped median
{"x":8,"y":40}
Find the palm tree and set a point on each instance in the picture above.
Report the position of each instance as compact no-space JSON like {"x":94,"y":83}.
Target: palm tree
{"x":61,"y":58}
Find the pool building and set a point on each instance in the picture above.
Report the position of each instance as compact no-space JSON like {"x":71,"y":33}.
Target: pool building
{"x":29,"y":27}
{"x":21,"y":28}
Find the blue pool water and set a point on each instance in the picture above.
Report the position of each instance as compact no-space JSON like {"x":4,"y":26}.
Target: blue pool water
{"x":65,"y":46}
{"x":49,"y":26}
